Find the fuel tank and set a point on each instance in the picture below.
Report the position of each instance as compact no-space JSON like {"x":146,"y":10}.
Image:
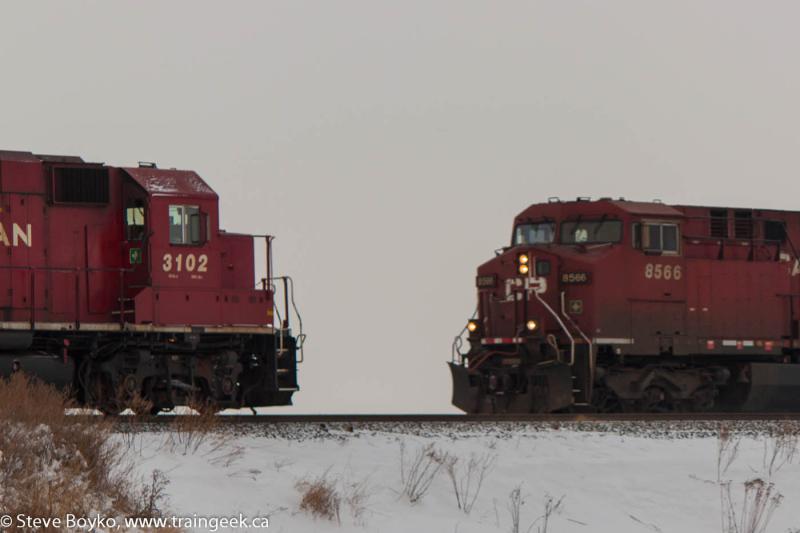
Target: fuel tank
{"x":49,"y":368}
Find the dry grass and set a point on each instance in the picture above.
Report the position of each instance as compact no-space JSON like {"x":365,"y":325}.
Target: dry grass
{"x":467,"y":477}
{"x":418,"y":472}
{"x":54,"y":464}
{"x":551,"y":507}
{"x":356,"y":497}
{"x":327,"y":497}
{"x":321,"y":498}
{"x":189,"y":432}
{"x":758,"y":504}
{"x":753,"y":511}
{"x":515,"y":503}
{"x":781,"y":448}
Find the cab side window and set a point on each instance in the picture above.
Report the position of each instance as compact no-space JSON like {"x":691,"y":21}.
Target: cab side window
{"x":135,"y":221}
{"x":657,"y":237}
{"x":186,"y":225}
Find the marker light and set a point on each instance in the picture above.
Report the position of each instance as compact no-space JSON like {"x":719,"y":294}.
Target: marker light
{"x":531,"y":325}
{"x":472,"y":326}
{"x":523,"y":268}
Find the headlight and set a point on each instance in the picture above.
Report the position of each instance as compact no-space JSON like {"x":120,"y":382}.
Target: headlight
{"x":472,"y":326}
{"x":523,"y":259}
{"x":531,"y":325}
{"x":523,"y":268}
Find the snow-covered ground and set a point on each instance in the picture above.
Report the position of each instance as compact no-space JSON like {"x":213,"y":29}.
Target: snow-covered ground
{"x":616,"y":479}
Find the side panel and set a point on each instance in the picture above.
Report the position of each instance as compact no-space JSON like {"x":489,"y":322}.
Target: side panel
{"x":658,"y":326}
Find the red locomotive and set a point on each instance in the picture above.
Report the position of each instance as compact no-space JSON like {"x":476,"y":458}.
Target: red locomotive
{"x":118,"y":282}
{"x":614,"y":305}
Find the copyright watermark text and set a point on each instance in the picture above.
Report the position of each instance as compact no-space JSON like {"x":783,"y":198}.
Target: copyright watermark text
{"x":89,"y":523}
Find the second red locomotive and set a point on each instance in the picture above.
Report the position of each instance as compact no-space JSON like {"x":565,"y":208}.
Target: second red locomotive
{"x":119,"y":282}
{"x":615,"y":305}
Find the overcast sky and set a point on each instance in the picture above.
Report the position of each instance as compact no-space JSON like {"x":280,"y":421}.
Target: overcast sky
{"x":389,"y":145}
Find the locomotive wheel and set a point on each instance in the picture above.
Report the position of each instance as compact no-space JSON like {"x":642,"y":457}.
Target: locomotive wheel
{"x":605,"y":401}
{"x":704,"y":398}
{"x":655,"y":400}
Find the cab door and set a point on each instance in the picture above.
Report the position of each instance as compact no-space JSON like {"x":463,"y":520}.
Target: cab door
{"x":135,"y":241}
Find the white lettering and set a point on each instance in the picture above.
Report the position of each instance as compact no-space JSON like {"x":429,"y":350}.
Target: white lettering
{"x":19,"y":235}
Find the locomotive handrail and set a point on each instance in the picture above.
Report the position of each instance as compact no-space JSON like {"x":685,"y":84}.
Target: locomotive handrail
{"x":68,"y":270}
{"x":458,"y":342}
{"x":76,"y":270}
{"x":572,"y":322}
{"x":561,"y":323}
{"x":585,"y":338}
{"x":288,"y":300}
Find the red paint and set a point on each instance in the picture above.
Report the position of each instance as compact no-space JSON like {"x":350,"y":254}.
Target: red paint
{"x":741,"y":286}
{"x":78,"y":267}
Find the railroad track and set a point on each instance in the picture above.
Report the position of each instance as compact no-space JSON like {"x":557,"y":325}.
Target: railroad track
{"x":477,"y":419}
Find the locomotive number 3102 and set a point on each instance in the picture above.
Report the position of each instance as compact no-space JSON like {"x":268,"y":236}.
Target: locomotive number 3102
{"x":659,"y":271}
{"x":190,"y":263}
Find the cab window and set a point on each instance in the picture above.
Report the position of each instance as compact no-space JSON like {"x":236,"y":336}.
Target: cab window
{"x":135,"y":221}
{"x":656,"y":237}
{"x":540,"y":233}
{"x":185,"y":225}
{"x":591,"y":232}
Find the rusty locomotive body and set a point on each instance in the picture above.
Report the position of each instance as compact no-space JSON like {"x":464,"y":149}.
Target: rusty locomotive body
{"x":119,"y":282}
{"x":614,"y":305}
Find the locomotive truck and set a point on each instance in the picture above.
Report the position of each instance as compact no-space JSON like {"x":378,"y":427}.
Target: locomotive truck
{"x":117,"y":283}
{"x":615,"y":305}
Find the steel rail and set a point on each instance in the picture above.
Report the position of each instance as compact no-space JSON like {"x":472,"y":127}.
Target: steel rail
{"x":471,"y":419}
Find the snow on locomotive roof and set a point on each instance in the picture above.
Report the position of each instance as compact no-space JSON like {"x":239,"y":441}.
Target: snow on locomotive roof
{"x":163,"y":182}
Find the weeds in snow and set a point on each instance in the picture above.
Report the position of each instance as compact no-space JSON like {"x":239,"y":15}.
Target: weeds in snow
{"x":757,"y":507}
{"x":515,"y":503}
{"x":323,"y":497}
{"x":54,"y":464}
{"x":467,"y":479}
{"x":780,"y":449}
{"x":727,"y":450}
{"x":516,"y":500}
{"x":130,"y":427}
{"x":189,"y":432}
{"x":320,"y":498}
{"x":153,"y":495}
{"x":760,"y":498}
{"x":417,"y":473}
{"x":356,"y":497}
{"x":551,"y":507}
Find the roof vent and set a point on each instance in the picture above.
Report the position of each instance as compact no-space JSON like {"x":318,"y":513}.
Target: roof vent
{"x":554,"y":200}
{"x":147,"y":164}
{"x":583,"y":199}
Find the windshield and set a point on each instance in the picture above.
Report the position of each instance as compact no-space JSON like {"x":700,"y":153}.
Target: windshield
{"x":591,"y":232}
{"x":543,"y":232}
